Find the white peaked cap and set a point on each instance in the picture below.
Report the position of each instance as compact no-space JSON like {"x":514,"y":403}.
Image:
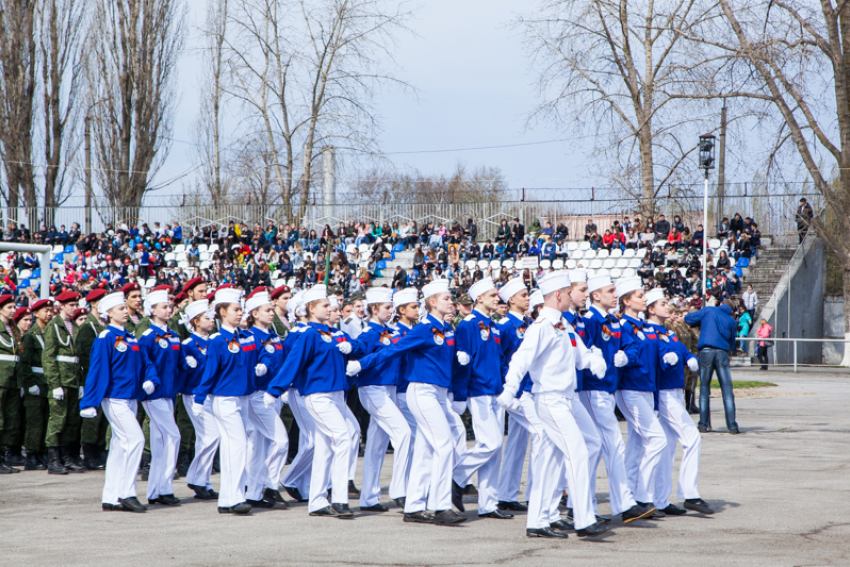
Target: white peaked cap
{"x":405,"y":296}
{"x":435,"y":287}
{"x":257,"y":300}
{"x":110,"y":301}
{"x":654,"y":295}
{"x":294,"y":302}
{"x":480,"y":287}
{"x":196,"y":308}
{"x":378,"y":295}
{"x":535,"y":299}
{"x":227,"y":295}
{"x":333,"y":301}
{"x":318,"y":291}
{"x":423,"y":313}
{"x":154,"y":297}
{"x":579,"y":275}
{"x":600,"y":280}
{"x":553,"y":281}
{"x":627,"y":285}
{"x":511,"y":288}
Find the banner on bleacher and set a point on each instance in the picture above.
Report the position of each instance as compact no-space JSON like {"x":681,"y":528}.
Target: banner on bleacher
{"x":529,"y":262}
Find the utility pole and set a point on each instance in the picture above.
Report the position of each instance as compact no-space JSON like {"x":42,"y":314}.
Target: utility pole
{"x":721,"y":167}
{"x":329,"y":181}
{"x":88,"y":173}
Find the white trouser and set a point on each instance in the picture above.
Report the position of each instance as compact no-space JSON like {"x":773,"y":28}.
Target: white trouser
{"x":401,"y":398}
{"x":231,"y":417}
{"x":299,"y":471}
{"x":592,"y":442}
{"x":165,"y":444}
{"x":206,"y":442}
{"x":563,"y":444}
{"x":268,"y":446}
{"x":125,"y":450}
{"x":430,"y":481}
{"x":387,"y":424}
{"x":600,"y":406}
{"x":488,"y":423}
{"x":354,"y":433}
{"x":677,"y":424}
{"x":645,"y":442}
{"x":457,"y":429}
{"x":513,"y":458}
{"x":332,"y":449}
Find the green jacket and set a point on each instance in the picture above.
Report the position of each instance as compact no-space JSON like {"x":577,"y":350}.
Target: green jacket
{"x":144,"y":325}
{"x":176,"y":324}
{"x":9,"y":349}
{"x":60,"y":362}
{"x":279,"y":327}
{"x":84,"y":342}
{"x":30,"y":370}
{"x":130,"y":327}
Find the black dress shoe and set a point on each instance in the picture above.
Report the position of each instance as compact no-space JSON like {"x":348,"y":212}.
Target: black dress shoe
{"x":562,"y":525}
{"x":326,"y":511}
{"x":497,"y":515}
{"x":201,"y":492}
{"x":33,"y":464}
{"x":241,"y":509}
{"x":637,"y":512}
{"x":376,"y":508}
{"x":512,"y":506}
{"x":448,"y":517}
{"x":260,"y":503}
{"x":401,"y":501}
{"x":342,"y":510}
{"x":698,"y":505}
{"x":603,"y":520}
{"x":353,"y":490}
{"x":457,"y":496}
{"x":673,"y":510}
{"x":545,"y":532}
{"x":294,"y":493}
{"x":656,"y":513}
{"x":470,"y":490}
{"x":113,"y":508}
{"x":272,"y":494}
{"x":593,"y":530}
{"x":166,"y":500}
{"x":133,"y":504}
{"x":422,"y":517}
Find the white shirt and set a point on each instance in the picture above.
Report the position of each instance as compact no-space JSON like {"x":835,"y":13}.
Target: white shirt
{"x":550,"y":353}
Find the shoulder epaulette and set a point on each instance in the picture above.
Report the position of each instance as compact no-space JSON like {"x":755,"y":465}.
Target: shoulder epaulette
{"x":187,"y":341}
{"x":147,"y":332}
{"x":214,"y":335}
{"x":103,"y":334}
{"x":469,"y":317}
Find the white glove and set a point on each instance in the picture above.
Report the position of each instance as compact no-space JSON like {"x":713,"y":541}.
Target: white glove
{"x":598,"y":366}
{"x":191,"y":362}
{"x":620,"y":359}
{"x":463,"y":358}
{"x":693,"y":364}
{"x":148,"y":387}
{"x":268,"y":399}
{"x":514,"y":405}
{"x":80,"y":395}
{"x":344,"y":347}
{"x":261,"y":369}
{"x":197,"y":409}
{"x":352,"y":368}
{"x":35,"y":390}
{"x":88,"y":412}
{"x":505,"y":398}
{"x":285,"y":397}
{"x":671,"y":358}
{"x":58,"y":394}
{"x":459,"y":407}
{"x":596,"y":350}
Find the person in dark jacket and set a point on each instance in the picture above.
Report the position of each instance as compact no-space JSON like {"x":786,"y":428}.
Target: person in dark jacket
{"x":716,"y":339}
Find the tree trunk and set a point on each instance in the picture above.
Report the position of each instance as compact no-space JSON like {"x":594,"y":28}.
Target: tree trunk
{"x":647,"y":176}
{"x":846,"y":281}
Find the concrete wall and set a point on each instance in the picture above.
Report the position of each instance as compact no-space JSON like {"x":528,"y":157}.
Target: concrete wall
{"x":833,"y":328}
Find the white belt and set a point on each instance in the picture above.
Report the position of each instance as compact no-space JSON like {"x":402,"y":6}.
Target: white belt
{"x":37,"y":369}
{"x":9,"y":358}
{"x":70,"y":359}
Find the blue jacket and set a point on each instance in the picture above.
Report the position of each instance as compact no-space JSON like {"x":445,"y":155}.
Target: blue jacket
{"x":162,"y":347}
{"x":314,"y":364}
{"x":671,"y":377}
{"x":641,"y":347}
{"x":480,"y":338}
{"x":605,"y":333}
{"x":577,"y":324}
{"x":195,"y":346}
{"x":229,"y":369}
{"x":430,"y":349}
{"x":118,"y":368}
{"x":512,"y":331}
{"x":717,"y":327}
{"x":270,"y":353}
{"x":403,"y":368}
{"x":373,"y":339}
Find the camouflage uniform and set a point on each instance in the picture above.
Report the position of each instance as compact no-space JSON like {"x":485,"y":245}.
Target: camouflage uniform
{"x":62,"y":370}
{"x":10,"y":393}
{"x":31,"y":373}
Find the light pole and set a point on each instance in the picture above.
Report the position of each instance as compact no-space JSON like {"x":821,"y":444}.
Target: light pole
{"x":706,"y":162}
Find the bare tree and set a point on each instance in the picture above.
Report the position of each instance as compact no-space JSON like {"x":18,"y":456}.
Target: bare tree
{"x":135,"y":44}
{"x":482,"y":185}
{"x":305,"y":72}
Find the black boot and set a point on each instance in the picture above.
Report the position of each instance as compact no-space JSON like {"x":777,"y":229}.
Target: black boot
{"x":90,"y":458}
{"x":145,"y":468}
{"x":183,"y":462}
{"x":5,"y":469}
{"x":102,"y":455}
{"x":216,"y":463}
{"x":42,"y":458}
{"x":33,"y":463}
{"x":13,"y":457}
{"x":693,"y":408}
{"x":689,"y":397}
{"x":69,"y":462}
{"x":55,"y":465}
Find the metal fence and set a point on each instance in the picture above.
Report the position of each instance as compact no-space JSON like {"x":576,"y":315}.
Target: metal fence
{"x":786,"y":352}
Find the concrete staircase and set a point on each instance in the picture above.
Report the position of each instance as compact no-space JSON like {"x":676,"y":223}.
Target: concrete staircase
{"x":764,"y":272}
{"x":403,"y":259}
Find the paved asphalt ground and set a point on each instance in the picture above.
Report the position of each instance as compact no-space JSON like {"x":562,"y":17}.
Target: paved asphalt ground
{"x":781,"y":490}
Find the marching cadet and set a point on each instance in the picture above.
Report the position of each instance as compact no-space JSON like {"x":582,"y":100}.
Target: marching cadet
{"x":280,"y":297}
{"x":31,"y":373}
{"x":464,"y":309}
{"x":199,"y":320}
{"x":133,"y":296}
{"x":145,"y":323}
{"x":92,"y":431}
{"x":431,"y":353}
{"x":549,"y":354}
{"x":195,"y":290}
{"x":635,"y":392}
{"x":688,"y":337}
{"x":268,"y":442}
{"x":162,"y":347}
{"x":377,"y":390}
{"x":353,"y":324}
{"x":21,"y":323}
{"x":119,"y":373}
{"x":604,"y":332}
{"x":674,"y":418}
{"x":479,"y":383}
{"x":406,"y":304}
{"x":62,"y":374}
{"x":10,"y":398}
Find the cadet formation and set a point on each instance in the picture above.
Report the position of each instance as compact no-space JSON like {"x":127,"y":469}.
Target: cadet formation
{"x":210,"y":381}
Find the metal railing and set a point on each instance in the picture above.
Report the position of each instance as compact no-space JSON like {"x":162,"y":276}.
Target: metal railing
{"x":795,"y":364}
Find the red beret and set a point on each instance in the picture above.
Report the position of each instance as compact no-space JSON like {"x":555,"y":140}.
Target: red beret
{"x":95,"y":295}
{"x":211,"y":296}
{"x":67,"y":296}
{"x":257,"y":290}
{"x":192,"y":283}
{"x":81,"y":311}
{"x":280,"y":291}
{"x":224,"y":286}
{"x":133,"y":286}
{"x":180,"y":297}
{"x":6,"y":298}
{"x":41,"y":303}
{"x":20,"y":312}
{"x":166,"y":287}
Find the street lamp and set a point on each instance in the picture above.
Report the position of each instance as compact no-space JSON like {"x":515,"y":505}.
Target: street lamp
{"x":706,"y":162}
